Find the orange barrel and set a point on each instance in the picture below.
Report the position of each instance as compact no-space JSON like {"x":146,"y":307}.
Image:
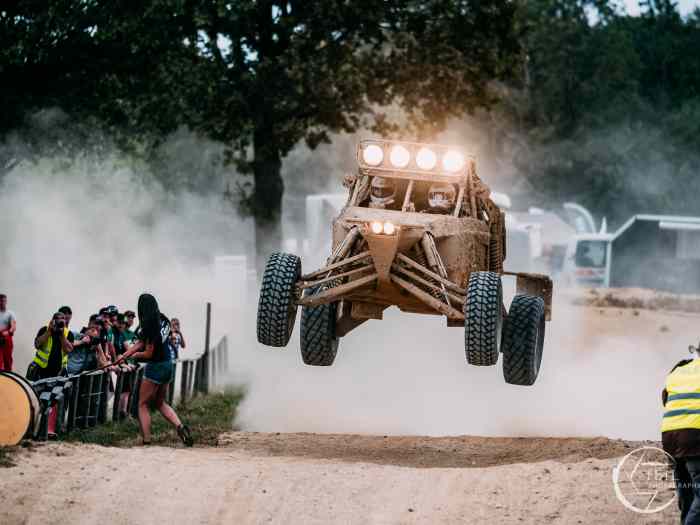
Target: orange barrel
{"x":20,"y":411}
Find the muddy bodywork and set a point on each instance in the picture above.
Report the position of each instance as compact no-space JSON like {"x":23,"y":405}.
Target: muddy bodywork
{"x":423,"y":265}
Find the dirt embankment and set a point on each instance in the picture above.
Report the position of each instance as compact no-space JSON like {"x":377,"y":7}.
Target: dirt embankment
{"x":427,"y":452}
{"x":636,"y":298}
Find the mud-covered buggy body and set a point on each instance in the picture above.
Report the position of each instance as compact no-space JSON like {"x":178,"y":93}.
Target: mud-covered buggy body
{"x":447,"y":262}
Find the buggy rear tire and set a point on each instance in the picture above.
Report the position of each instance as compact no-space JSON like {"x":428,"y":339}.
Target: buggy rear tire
{"x":277,"y":306}
{"x":319,"y":344}
{"x":523,"y":340}
{"x":483,"y":318}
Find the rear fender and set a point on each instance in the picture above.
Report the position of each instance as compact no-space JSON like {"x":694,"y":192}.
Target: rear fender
{"x":536,"y":284}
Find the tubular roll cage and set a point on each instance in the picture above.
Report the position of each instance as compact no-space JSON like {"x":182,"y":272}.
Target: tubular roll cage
{"x":466,"y":179}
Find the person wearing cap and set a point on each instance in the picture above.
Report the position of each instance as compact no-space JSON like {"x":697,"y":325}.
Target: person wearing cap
{"x":106,"y":314}
{"x":129,"y":334}
{"x":68,"y":314}
{"x":680,"y":433}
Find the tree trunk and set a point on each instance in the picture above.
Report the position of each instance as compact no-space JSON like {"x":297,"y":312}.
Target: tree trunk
{"x":267,"y":197}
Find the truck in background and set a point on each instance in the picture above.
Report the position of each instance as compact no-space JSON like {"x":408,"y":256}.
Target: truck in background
{"x":660,"y":252}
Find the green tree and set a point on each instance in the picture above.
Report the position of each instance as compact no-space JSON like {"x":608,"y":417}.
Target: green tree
{"x":261,"y":76}
{"x":296,"y":71}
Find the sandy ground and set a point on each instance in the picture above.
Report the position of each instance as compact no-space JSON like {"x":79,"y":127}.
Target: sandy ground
{"x":311,"y":478}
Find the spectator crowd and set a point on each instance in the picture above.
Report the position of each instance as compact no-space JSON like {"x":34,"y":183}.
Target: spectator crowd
{"x":109,"y":342}
{"x":60,"y":350}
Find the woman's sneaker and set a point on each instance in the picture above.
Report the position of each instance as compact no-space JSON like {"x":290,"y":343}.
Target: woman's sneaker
{"x":184,"y":432}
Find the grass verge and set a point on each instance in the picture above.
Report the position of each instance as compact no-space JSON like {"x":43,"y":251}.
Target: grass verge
{"x":207,"y":416}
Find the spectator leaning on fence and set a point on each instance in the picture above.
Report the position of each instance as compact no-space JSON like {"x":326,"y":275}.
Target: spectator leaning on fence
{"x":53,"y":343}
{"x":8,"y":326}
{"x":107,"y":333}
{"x":87,"y":351}
{"x":177,"y":341}
{"x":119,"y":329}
{"x":151,"y":346}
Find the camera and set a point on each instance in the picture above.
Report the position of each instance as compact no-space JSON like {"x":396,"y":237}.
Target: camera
{"x":94,"y":341}
{"x":59,"y":325}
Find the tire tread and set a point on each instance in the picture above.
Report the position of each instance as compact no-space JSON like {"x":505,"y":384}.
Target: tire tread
{"x":277,"y":298}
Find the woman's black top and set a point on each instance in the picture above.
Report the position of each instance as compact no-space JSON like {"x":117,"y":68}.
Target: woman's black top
{"x":160,"y":345}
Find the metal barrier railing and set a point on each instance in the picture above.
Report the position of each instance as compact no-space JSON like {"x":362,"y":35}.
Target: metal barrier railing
{"x":82,"y":401}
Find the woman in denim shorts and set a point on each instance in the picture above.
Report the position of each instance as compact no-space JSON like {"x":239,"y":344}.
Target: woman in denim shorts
{"x":152,"y":346}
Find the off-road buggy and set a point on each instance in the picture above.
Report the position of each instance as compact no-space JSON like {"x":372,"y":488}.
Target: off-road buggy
{"x":447,"y":263}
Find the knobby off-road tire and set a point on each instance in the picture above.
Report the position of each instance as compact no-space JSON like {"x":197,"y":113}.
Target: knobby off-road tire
{"x":319,"y":344}
{"x":483,"y":318}
{"x":523,"y":340}
{"x":277,"y":308}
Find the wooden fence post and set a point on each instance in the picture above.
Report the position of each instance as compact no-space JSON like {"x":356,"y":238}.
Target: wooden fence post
{"x":204,"y":359}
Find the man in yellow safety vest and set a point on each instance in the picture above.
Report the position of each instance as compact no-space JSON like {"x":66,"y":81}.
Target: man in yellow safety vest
{"x":53,"y":343}
{"x":680,"y":433}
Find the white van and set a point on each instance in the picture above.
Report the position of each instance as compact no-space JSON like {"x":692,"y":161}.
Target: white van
{"x":588,"y":260}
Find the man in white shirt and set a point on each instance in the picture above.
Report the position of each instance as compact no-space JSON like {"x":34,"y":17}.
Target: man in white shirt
{"x":8,"y":326}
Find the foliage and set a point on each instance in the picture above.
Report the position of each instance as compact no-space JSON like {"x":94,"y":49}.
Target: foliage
{"x":611,"y":107}
{"x":207,"y":416}
{"x":595,"y":105}
{"x":258,"y":75}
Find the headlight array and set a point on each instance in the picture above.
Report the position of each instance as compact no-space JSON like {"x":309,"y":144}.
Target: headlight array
{"x":411,"y":156}
{"x":387,"y":228}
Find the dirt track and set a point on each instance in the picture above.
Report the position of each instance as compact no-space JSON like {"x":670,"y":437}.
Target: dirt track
{"x":321,"y":478}
{"x":310,"y":478}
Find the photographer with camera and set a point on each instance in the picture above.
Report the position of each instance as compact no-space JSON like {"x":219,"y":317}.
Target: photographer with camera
{"x":8,"y":326}
{"x":53,"y":343}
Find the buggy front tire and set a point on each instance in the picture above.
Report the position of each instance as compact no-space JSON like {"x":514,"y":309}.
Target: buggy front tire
{"x":277,"y":306}
{"x":523,"y":340}
{"x":319,"y":344}
{"x":483,"y":318}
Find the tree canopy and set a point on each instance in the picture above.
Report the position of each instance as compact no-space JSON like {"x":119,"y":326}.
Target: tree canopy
{"x":603,"y":106}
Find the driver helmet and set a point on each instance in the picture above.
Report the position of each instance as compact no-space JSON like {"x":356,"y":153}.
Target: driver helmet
{"x":441,"y":196}
{"x":382,"y":192}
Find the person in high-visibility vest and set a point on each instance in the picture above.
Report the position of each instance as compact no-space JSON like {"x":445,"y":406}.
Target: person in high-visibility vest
{"x":680,"y":433}
{"x":53,"y":343}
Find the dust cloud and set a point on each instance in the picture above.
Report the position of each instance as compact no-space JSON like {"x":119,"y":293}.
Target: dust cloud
{"x":89,"y":230}
{"x":602,"y":373}
{"x":93,"y":230}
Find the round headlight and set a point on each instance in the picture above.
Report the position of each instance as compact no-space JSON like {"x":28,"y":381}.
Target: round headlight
{"x":453,"y":161}
{"x":389,"y":228}
{"x":376,"y":227}
{"x":399,"y":156}
{"x":373,"y":155}
{"x":426,"y":159}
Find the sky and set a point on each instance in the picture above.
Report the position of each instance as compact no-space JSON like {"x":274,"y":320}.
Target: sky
{"x":685,"y":6}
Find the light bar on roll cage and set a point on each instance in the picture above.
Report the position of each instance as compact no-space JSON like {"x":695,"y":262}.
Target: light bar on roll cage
{"x":412,"y":157}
